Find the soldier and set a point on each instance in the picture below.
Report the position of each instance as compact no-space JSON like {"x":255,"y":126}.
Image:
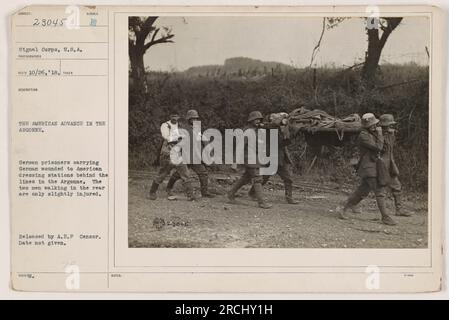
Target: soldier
{"x":199,"y":169}
{"x":371,"y":143}
{"x":170,"y":133}
{"x":251,"y":174}
{"x":284,"y":164}
{"x":387,"y":122}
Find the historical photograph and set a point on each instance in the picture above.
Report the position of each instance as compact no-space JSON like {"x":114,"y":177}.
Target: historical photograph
{"x":278,"y":132}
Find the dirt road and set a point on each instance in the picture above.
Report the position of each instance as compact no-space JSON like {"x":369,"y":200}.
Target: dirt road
{"x":311,"y":224}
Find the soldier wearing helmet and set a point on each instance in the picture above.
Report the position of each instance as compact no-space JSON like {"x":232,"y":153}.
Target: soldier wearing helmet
{"x":199,"y":169}
{"x":284,"y":158}
{"x":387,"y":123}
{"x":251,"y":174}
{"x":371,"y":144}
{"x":255,"y":117}
{"x":192,"y":115}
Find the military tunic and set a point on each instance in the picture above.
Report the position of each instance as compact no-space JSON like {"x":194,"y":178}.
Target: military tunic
{"x":388,"y":158}
{"x":370,"y":145}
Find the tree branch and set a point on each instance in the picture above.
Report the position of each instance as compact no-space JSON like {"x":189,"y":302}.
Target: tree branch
{"x":392,"y":24}
{"x":148,"y":23}
{"x":163,"y":39}
{"x":145,"y":29}
{"x":154,"y":34}
{"x":317,"y":47}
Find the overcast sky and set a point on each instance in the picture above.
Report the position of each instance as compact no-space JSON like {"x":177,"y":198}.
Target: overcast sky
{"x":211,"y":40}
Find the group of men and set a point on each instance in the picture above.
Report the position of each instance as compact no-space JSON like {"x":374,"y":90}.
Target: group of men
{"x":376,"y":168}
{"x":170,"y":134}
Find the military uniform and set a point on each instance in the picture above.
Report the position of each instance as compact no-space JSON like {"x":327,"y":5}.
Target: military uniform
{"x":394,"y":184}
{"x":388,"y":158}
{"x":167,"y":166}
{"x":200,"y":168}
{"x":251,"y":173}
{"x":284,"y":165}
{"x":370,"y":144}
{"x":170,"y":144}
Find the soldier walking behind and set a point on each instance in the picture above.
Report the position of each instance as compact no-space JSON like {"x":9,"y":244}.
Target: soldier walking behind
{"x":284,"y":164}
{"x":387,"y":122}
{"x":170,"y":134}
{"x":251,"y":174}
{"x":371,"y":143}
{"x":199,"y":169}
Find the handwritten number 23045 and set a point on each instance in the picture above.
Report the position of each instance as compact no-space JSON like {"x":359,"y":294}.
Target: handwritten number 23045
{"x":49,"y":22}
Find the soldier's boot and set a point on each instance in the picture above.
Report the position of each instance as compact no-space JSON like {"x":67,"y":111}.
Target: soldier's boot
{"x":251,"y":192}
{"x":258,"y":191}
{"x":350,"y":204}
{"x":170,"y":184}
{"x":343,"y":213}
{"x":356,"y":209}
{"x":189,"y":191}
{"x":204,"y":183}
{"x":289,"y":194}
{"x":386,"y":219}
{"x":231,"y":193}
{"x":153,"y":190}
{"x":400,"y":211}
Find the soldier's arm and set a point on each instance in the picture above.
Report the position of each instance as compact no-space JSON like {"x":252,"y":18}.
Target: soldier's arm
{"x":285,"y":134}
{"x":165,"y":131}
{"x":371,"y":141}
{"x":393,"y":144}
{"x":388,"y":145}
{"x":379,"y":139}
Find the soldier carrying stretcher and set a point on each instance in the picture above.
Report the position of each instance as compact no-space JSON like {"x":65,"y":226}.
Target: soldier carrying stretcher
{"x":284,"y":159}
{"x":371,"y":144}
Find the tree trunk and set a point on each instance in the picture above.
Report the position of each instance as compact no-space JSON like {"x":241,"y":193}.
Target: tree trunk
{"x":372,"y":56}
{"x":137,"y":66}
{"x":375,"y":46}
{"x":136,"y":58}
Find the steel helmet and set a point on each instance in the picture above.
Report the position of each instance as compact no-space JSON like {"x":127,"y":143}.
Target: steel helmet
{"x":386,"y":120}
{"x":254,"y":115}
{"x":192,"y":114}
{"x":369,"y":120}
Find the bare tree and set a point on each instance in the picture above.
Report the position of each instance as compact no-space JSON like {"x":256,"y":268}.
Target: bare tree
{"x":376,"y":43}
{"x":142,"y":36}
{"x":328,"y":23}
